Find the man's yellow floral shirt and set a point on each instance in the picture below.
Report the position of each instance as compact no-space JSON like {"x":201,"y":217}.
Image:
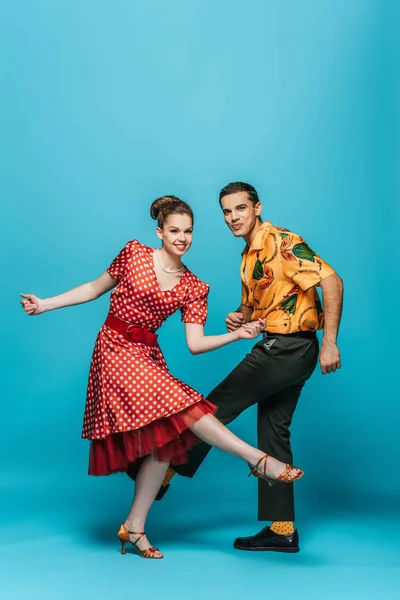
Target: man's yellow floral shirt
{"x":279,"y":273}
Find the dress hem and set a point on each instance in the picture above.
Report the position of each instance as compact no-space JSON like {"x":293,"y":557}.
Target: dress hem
{"x":168,"y":438}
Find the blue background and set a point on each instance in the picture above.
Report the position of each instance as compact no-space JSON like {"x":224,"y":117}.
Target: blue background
{"x":106,"y":106}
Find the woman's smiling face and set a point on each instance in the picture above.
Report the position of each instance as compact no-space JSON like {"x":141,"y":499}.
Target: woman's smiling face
{"x":176,"y":234}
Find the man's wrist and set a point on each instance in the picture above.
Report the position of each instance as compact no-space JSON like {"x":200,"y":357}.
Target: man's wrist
{"x":329,"y":339}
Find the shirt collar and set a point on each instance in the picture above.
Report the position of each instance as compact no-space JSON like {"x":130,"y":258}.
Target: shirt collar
{"x":259,"y":239}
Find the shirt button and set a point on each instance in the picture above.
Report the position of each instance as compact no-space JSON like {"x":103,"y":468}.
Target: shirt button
{"x":285,"y":324}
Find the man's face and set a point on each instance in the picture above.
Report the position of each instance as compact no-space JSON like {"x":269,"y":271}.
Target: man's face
{"x":240,"y":214}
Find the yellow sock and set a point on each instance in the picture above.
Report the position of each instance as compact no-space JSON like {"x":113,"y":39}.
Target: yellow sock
{"x":168,"y":476}
{"x":282,"y":527}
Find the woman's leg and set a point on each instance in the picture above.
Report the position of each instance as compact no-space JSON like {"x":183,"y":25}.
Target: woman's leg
{"x":148,"y":481}
{"x":210,"y":430}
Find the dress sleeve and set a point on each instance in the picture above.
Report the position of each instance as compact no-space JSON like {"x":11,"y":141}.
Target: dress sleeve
{"x":195,"y":309}
{"x":300,"y":263}
{"x":119,"y":265}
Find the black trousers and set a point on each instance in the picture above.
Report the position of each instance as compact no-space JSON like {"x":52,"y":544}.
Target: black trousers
{"x":272,"y":376}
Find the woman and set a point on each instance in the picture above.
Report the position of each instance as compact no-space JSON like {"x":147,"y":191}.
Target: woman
{"x":135,"y":409}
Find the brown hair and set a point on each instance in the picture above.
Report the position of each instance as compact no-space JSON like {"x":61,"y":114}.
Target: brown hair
{"x":169,"y":205}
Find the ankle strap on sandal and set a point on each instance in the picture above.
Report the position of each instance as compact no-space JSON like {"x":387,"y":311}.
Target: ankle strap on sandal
{"x":254,"y":470}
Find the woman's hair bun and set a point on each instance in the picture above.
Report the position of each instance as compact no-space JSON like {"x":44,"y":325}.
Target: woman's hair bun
{"x":169,"y":205}
{"x":160,"y":203}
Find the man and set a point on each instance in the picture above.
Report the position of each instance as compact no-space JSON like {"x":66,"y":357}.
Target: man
{"x":279,"y":273}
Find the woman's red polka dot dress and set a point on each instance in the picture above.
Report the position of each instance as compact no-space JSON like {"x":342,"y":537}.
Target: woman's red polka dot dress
{"x":134,"y":405}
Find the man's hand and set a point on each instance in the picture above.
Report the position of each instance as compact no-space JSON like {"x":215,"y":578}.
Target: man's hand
{"x":329,"y":357}
{"x":332,"y":298}
{"x":234,"y":320}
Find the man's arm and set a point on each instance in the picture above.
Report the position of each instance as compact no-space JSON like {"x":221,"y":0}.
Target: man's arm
{"x":332,"y":298}
{"x":234,"y":320}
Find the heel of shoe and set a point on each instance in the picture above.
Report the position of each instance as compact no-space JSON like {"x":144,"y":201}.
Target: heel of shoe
{"x":123,"y":537}
{"x":123,"y":542}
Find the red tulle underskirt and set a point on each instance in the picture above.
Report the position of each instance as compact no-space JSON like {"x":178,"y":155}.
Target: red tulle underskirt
{"x":169,"y":439}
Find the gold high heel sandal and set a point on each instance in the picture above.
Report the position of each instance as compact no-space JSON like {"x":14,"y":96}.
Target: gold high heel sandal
{"x":284,"y":477}
{"x":124,"y":537}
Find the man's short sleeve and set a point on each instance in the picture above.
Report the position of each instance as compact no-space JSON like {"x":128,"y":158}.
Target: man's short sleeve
{"x":300,"y":263}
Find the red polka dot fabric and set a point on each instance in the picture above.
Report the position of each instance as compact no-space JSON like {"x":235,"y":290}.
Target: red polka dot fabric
{"x":130,"y":385}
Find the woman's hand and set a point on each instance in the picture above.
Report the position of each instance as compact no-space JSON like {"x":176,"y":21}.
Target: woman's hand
{"x":32,"y":305}
{"x":252,"y":330}
{"x":87,"y":292}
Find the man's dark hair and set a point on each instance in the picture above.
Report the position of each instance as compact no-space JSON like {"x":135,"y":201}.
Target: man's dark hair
{"x":239,"y":186}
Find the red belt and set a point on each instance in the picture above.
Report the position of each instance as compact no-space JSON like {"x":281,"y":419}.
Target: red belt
{"x":131,"y":332}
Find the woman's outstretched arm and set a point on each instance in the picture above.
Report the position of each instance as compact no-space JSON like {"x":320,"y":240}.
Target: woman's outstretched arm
{"x":198,"y":342}
{"x":87,"y":292}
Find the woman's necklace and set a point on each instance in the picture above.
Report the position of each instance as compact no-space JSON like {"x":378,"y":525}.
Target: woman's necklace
{"x":165,"y":270}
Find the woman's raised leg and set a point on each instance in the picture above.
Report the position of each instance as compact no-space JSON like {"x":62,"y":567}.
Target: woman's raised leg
{"x":210,"y":430}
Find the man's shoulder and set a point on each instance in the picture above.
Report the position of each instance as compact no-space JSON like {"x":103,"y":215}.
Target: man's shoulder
{"x":281,"y":234}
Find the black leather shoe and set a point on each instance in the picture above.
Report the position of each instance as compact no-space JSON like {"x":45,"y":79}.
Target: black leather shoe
{"x":266,"y":540}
